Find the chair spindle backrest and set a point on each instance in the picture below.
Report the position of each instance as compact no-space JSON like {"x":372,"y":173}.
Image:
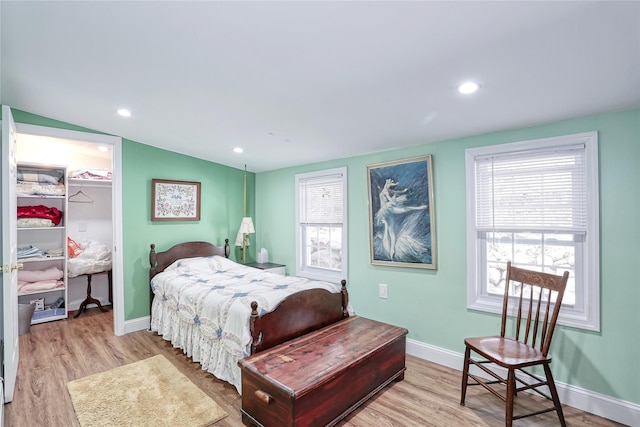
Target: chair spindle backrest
{"x":541,"y":289}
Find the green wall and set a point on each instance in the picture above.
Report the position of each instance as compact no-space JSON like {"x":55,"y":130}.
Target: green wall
{"x":432,"y":304}
{"x":221,"y":207}
{"x":220,"y":215}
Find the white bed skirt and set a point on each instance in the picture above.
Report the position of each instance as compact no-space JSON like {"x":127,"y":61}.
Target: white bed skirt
{"x":212,"y":354}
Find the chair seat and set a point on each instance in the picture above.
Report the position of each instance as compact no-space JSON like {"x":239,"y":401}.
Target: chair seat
{"x":507,"y":352}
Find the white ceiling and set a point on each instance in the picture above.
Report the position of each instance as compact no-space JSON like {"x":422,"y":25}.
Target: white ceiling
{"x":299,"y":82}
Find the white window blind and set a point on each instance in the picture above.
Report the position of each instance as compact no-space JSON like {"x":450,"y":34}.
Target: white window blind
{"x":321,"y":200}
{"x":321,"y":225}
{"x":535,"y":203}
{"x":527,"y":191}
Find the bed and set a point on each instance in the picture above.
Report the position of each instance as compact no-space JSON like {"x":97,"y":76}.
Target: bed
{"x":218,"y":311}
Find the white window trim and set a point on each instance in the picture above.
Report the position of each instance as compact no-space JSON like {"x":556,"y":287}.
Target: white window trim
{"x":317,"y":273}
{"x":586,"y":313}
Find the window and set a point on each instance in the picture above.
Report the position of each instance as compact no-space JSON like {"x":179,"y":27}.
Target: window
{"x":535,"y":203}
{"x":321,"y":218}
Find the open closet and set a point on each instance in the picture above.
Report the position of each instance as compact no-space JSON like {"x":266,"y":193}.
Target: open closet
{"x":38,"y":174}
{"x":87,"y":221}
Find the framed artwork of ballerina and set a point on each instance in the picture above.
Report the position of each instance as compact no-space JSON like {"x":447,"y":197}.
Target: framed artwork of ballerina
{"x":402,"y":227}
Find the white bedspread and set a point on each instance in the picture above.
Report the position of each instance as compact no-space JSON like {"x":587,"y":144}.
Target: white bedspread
{"x":202,"y":305}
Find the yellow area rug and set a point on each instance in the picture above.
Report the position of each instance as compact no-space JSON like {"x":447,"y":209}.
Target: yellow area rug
{"x":151,"y":392}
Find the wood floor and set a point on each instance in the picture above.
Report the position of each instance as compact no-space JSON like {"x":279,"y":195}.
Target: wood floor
{"x":57,"y":352}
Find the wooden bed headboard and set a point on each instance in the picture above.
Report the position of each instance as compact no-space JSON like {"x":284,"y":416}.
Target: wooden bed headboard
{"x":160,"y":261}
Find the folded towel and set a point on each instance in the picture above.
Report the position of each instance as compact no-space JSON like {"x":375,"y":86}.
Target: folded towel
{"x":51,"y":273}
{"x":42,"y":285}
{"x":36,"y":175}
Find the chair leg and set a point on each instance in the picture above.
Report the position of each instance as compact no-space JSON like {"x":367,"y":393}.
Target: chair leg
{"x":511,"y":391}
{"x":554,"y":394}
{"x":465,"y":375}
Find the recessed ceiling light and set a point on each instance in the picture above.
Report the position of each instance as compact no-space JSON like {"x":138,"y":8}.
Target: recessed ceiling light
{"x":124,"y":112}
{"x":103,"y":148}
{"x":468,"y":87}
{"x":238,"y":150}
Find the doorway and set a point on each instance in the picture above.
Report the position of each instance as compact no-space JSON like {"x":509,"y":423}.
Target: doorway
{"x":97,"y":223}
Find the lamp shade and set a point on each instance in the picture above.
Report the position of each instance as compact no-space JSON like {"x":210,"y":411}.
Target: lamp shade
{"x":246,"y":227}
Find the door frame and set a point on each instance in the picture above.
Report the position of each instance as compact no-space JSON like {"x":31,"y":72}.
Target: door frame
{"x":9,"y":281}
{"x":116,"y":193}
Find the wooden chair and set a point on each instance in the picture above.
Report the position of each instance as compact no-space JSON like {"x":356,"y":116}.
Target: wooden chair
{"x":534,"y":325}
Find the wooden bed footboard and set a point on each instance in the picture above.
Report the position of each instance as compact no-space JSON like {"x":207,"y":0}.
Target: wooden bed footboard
{"x":298,"y":314}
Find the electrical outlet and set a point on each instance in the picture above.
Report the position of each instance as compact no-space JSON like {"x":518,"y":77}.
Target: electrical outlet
{"x":382,"y":291}
{"x":82,"y":226}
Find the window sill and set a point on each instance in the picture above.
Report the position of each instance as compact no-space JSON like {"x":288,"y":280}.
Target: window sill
{"x":569,"y":316}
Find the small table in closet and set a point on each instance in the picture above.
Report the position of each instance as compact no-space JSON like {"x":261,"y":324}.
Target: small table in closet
{"x":89,"y":299}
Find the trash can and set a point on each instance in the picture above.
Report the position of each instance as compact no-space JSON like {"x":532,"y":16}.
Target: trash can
{"x":25,"y":313}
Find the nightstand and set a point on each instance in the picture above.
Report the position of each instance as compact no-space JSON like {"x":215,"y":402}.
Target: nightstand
{"x":268,"y":266}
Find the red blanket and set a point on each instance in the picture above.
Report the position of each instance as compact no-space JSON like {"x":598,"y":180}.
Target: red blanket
{"x":40,"y":211}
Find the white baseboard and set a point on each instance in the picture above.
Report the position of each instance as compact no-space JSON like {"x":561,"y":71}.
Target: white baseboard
{"x":139,"y":324}
{"x":586,"y":400}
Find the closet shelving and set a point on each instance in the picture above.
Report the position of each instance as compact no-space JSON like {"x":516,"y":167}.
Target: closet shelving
{"x":82,"y":182}
{"x":46,"y":239}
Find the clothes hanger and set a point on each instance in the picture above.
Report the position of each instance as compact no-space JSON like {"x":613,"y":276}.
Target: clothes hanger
{"x":86,"y":198}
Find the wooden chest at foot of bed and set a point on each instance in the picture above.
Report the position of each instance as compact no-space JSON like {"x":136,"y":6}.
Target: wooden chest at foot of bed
{"x":319,"y":378}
